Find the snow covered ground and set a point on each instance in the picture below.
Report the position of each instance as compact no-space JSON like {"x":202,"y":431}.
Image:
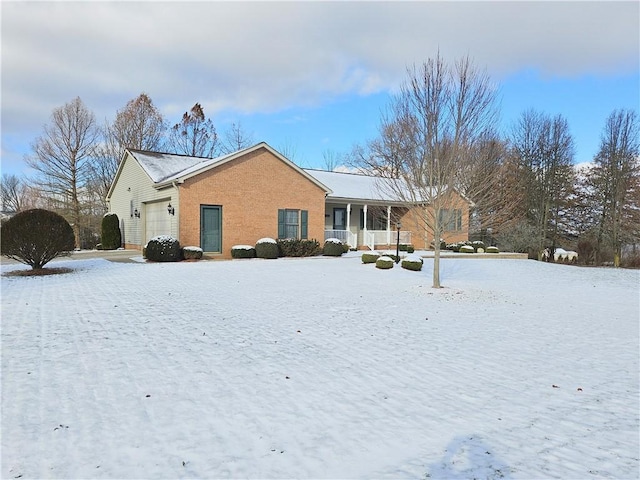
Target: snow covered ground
{"x":320,"y":368}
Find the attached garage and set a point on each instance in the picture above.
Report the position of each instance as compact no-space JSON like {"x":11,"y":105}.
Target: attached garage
{"x":157,"y":220}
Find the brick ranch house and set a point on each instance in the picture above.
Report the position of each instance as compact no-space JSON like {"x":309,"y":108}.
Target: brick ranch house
{"x":253,"y":193}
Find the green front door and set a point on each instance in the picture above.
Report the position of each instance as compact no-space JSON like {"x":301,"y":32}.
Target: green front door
{"x":211,"y":228}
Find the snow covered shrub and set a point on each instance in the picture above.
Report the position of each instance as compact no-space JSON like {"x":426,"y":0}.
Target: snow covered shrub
{"x":111,"y":237}
{"x":35,"y":237}
{"x":266,"y":248}
{"x":406,"y":247}
{"x":384,"y":262}
{"x":192,"y":253}
{"x":412,"y":262}
{"x":443,"y":244}
{"x":163,"y":248}
{"x":492,"y":250}
{"x":333,"y":247}
{"x":467,"y":249}
{"x":243,"y":251}
{"x":478,"y":245}
{"x":291,"y":247}
{"x":393,"y":257}
{"x":370,"y":257}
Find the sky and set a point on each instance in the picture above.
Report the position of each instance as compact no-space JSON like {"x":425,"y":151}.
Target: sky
{"x":309,"y":78}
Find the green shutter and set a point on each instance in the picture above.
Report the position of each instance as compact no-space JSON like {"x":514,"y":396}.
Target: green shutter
{"x":304,"y":222}
{"x":281,"y":227}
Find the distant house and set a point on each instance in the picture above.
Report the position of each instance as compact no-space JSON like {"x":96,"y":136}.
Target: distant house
{"x":254,"y":193}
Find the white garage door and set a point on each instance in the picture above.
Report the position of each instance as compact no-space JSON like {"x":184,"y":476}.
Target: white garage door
{"x":157,"y":220}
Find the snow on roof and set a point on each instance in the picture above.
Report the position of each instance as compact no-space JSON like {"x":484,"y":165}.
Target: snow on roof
{"x":352,"y":185}
{"x":162,"y":166}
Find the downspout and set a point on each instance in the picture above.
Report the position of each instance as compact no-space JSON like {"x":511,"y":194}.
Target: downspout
{"x":175,"y":185}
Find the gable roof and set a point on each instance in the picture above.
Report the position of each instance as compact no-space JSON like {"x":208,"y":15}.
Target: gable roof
{"x":164,"y":169}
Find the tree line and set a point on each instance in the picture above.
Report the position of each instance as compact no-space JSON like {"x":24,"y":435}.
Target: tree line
{"x":439,"y":133}
{"x":76,"y":159}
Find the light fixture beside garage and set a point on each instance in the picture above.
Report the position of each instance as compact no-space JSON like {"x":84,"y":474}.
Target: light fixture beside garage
{"x":136,"y":213}
{"x":170,"y":209}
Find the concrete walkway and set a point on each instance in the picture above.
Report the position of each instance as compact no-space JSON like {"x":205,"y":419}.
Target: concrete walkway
{"x":122,"y":256}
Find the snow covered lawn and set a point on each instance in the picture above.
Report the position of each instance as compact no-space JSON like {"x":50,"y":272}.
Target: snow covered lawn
{"x":320,"y":368}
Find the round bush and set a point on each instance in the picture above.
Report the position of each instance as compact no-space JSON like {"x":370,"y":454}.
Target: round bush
{"x":410,"y":249}
{"x":267,"y":248}
{"x":384,"y":262}
{"x":477,"y":245}
{"x":412,"y":262}
{"x":35,"y":237}
{"x":243,"y":251}
{"x":492,"y":250}
{"x":333,"y":247}
{"x":370,"y":257}
{"x":111,"y":237}
{"x":192,"y":253}
{"x":163,"y":248}
{"x":467,"y":249}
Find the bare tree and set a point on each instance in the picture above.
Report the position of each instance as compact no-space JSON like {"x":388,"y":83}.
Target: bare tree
{"x":195,"y":135}
{"x":138,"y":125}
{"x":62,"y":157}
{"x":236,"y":138}
{"x":615,"y":180}
{"x":427,"y":138}
{"x":13,"y":191}
{"x":331,"y":160}
{"x":543,"y":148}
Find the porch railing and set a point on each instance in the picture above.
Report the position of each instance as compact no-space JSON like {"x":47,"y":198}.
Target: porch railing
{"x":345,"y":236}
{"x":389,"y":237}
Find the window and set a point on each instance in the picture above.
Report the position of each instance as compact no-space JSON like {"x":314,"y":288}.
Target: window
{"x":293,"y":224}
{"x":450,"y":220}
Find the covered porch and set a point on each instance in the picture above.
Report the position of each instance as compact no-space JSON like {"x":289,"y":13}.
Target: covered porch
{"x":366,"y":225}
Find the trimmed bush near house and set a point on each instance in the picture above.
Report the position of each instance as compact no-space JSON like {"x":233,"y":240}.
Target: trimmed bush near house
{"x":192,"y":253}
{"x":370,"y":257}
{"x":384,"y":263}
{"x":333,"y":247}
{"x":406,"y":247}
{"x":267,"y":248}
{"x":492,"y":250}
{"x":111,"y":237}
{"x":163,"y":248}
{"x":298,"y":248}
{"x":412,"y":262}
{"x":478,"y":245}
{"x":467,"y":249}
{"x":243,"y":251}
{"x":35,"y":237}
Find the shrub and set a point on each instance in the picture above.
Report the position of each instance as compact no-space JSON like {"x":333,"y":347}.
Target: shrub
{"x":385,"y":262}
{"x":410,"y":249}
{"x":443,"y":244}
{"x":467,"y":249}
{"x":192,"y":253}
{"x":492,"y":250}
{"x":35,"y":237}
{"x":298,"y":248}
{"x":393,"y":257}
{"x":111,"y":237}
{"x":163,"y":248}
{"x":370,"y":257}
{"x":478,"y":245}
{"x":267,"y":248}
{"x":333,"y":247}
{"x":412,"y":262}
{"x":243,"y":251}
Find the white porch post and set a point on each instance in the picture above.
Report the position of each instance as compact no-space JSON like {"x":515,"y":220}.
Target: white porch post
{"x":348,"y":217}
{"x":364,"y":209}
{"x":388,"y":224}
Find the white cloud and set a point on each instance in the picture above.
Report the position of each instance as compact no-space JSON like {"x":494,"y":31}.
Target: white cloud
{"x":266,"y":56}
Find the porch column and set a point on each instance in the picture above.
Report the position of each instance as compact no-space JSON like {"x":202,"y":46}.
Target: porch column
{"x":388,"y":224}
{"x":364,"y":210}
{"x":348,"y":217}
